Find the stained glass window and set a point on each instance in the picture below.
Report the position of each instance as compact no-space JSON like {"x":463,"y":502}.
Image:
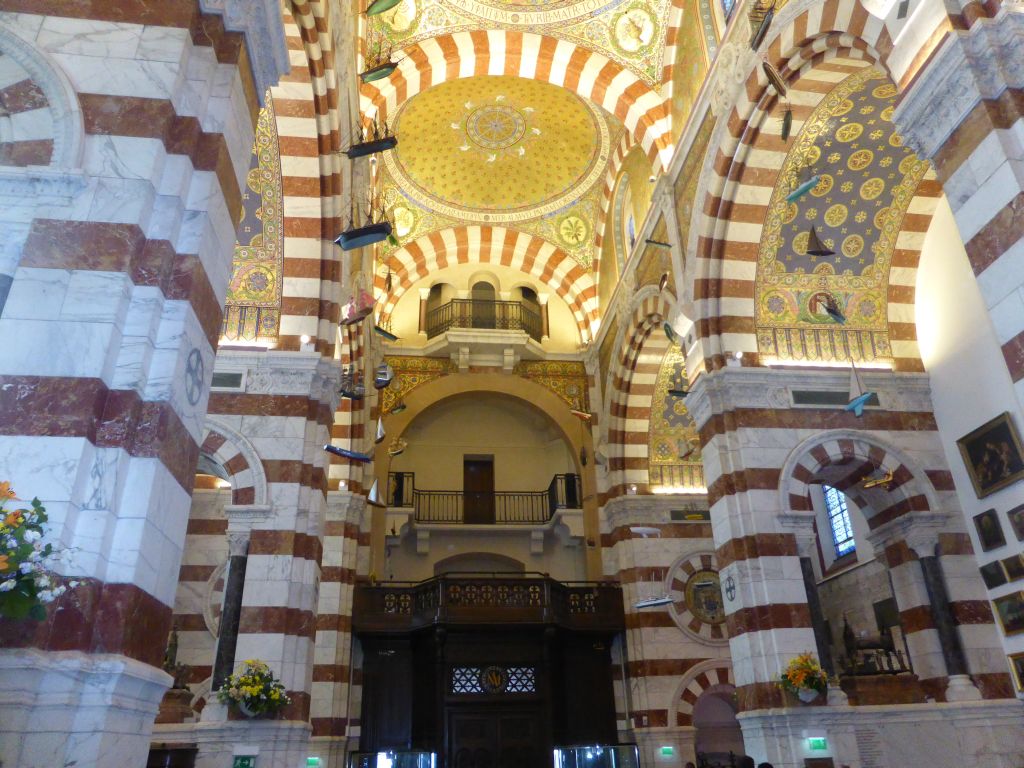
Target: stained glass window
{"x":839,"y":520}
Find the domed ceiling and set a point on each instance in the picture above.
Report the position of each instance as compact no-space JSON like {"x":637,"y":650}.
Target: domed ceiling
{"x":500,"y":148}
{"x":504,"y":151}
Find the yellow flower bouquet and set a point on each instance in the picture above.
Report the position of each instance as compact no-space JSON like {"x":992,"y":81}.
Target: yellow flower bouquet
{"x":804,"y":675}
{"x":254,"y":690}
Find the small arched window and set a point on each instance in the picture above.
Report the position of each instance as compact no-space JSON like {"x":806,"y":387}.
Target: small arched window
{"x":839,"y":521}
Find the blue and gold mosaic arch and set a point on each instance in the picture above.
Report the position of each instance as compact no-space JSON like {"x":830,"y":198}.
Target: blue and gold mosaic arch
{"x":253,"y":309}
{"x":867,"y":181}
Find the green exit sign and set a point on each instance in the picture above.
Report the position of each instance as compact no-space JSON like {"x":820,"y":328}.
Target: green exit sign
{"x":668,"y":751}
{"x":816,"y":743}
{"x":244,"y":761}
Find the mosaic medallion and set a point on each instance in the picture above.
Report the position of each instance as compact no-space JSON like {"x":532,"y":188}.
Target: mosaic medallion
{"x":496,"y":126}
{"x":696,"y":593}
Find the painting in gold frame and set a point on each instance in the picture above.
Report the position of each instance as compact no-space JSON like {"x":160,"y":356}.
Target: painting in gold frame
{"x":993,"y":455}
{"x":1017,"y":668}
{"x":1010,"y":610}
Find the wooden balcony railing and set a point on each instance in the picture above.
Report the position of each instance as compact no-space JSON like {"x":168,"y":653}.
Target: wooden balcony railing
{"x":471,"y":598}
{"x":480,"y":313}
{"x":503,"y":507}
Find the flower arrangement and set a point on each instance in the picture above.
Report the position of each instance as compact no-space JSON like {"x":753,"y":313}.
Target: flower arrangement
{"x":254,"y":690}
{"x":26,"y":583}
{"x":804,"y":673}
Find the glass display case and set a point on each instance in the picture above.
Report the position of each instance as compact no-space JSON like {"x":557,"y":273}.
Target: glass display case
{"x":393,"y":758}
{"x":598,"y":756}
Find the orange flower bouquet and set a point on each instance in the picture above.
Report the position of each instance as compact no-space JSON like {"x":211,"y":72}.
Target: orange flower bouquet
{"x":804,"y":677}
{"x":26,"y":582}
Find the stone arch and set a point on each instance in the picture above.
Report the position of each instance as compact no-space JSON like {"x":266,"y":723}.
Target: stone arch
{"x":59,"y":143}
{"x":236,"y":456}
{"x":845,"y":458}
{"x":526,"y":54}
{"x":533,"y":255}
{"x":640,"y":352}
{"x":604,"y":216}
{"x":698,"y":679}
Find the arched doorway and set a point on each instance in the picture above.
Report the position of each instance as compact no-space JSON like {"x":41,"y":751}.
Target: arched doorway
{"x":483,"y":295}
{"x":718,"y":731}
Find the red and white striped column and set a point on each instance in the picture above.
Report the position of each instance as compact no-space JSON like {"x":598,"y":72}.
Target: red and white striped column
{"x":124,"y":181}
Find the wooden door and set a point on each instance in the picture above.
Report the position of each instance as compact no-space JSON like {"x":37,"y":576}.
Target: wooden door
{"x":478,"y":490}
{"x":495,"y":738}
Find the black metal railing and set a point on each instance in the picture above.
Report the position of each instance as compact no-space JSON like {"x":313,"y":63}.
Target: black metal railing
{"x":498,"y":507}
{"x":485,"y":313}
{"x":487,"y":598}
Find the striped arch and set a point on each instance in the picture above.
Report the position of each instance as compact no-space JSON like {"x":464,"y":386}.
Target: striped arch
{"x":631,"y":388}
{"x":306,"y":101}
{"x":494,"y":245}
{"x":675,"y":21}
{"x":533,"y":56}
{"x":845,"y":458}
{"x":607,"y":192}
{"x":699,"y":678}
{"x":746,"y":170}
{"x":237,"y":460}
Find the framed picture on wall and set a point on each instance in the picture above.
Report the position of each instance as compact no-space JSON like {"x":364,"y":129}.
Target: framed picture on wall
{"x":990,"y":532}
{"x":1017,"y":667}
{"x":993,"y":455}
{"x":1014,"y":567}
{"x":1016,"y":518}
{"x":993,"y":575}
{"x":1010,"y":610}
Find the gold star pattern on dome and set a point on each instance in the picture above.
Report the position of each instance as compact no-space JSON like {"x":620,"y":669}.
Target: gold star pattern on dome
{"x":501,"y":148}
{"x":867,"y":179}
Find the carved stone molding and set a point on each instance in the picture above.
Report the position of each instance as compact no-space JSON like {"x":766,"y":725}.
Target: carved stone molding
{"x":920,"y":530}
{"x":979,"y":63}
{"x":263,"y":26}
{"x":241,"y":519}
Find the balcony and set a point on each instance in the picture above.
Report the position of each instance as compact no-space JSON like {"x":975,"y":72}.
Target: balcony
{"x":493,"y":508}
{"x":475,"y":599}
{"x":484,"y":314}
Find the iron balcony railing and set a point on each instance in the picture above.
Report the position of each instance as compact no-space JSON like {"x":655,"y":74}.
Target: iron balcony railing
{"x":483,"y":313}
{"x":474,"y":598}
{"x":509,"y":507}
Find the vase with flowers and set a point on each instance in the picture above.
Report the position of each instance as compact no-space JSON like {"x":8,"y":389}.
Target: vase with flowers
{"x":804,"y":677}
{"x":27,"y":583}
{"x":254,"y":690}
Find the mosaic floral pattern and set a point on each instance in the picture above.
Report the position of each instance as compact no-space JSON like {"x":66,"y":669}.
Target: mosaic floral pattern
{"x":672,"y":430}
{"x":410,"y":373}
{"x":868,"y":179}
{"x":568,"y":380}
{"x":253,"y":307}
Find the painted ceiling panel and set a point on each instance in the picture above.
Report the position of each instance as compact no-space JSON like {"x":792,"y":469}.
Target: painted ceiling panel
{"x":867,"y":181}
{"x":631,"y":32}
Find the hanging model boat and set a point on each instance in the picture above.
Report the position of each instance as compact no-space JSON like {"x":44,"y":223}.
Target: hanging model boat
{"x":378,"y":7}
{"x":381,"y":434}
{"x":670,"y":332}
{"x":379,"y":61}
{"x":373,"y":497}
{"x":774,"y":78}
{"x":377,"y":141}
{"x":383,"y":377}
{"x":368,"y":234}
{"x":803,"y":189}
{"x":787,"y":123}
{"x":384,"y":333}
{"x":344,"y":453}
{"x":357,"y":309}
{"x":859,"y":397}
{"x":678,"y":392}
{"x":398,"y":445}
{"x":762,"y":28}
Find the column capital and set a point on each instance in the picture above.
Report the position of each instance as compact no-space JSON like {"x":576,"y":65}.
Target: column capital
{"x":800,"y":525}
{"x":969,"y":66}
{"x":242,"y":518}
{"x":920,"y":531}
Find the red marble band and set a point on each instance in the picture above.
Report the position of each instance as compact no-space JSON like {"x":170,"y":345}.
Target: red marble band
{"x":301,"y":545}
{"x":97,"y":618}
{"x":157,"y":119}
{"x":763,"y":617}
{"x":106,"y":247}
{"x":760,"y":545}
{"x":229,"y":403}
{"x":277,"y":619}
{"x":51,"y":406}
